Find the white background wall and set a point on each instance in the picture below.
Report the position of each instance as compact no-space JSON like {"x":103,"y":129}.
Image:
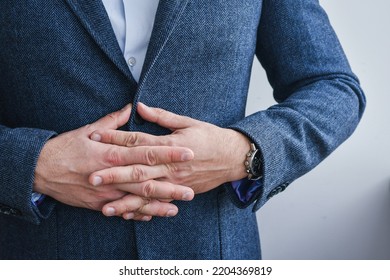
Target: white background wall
{"x":341,"y":209}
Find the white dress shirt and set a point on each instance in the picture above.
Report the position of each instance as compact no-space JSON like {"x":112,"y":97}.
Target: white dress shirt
{"x":132,"y":22}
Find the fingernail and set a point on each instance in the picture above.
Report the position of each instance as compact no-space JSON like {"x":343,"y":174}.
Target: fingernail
{"x":110,"y":211}
{"x":146,"y":218}
{"x":187,"y":156}
{"x":187,"y":196}
{"x":97,"y":180}
{"x":171,"y":213}
{"x":129,"y":216}
{"x":96,"y":137}
{"x":126,"y":107}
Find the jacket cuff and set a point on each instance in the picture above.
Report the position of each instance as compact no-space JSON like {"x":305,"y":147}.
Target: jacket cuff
{"x":272,"y":182}
{"x":21,"y":148}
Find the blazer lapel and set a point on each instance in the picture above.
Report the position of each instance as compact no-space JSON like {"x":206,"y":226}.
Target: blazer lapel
{"x":94,"y":18}
{"x":167,"y":17}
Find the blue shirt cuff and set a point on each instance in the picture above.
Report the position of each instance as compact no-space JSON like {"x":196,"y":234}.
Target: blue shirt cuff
{"x":37,"y":198}
{"x":245,"y":189}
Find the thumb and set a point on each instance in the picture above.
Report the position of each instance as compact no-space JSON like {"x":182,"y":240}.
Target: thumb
{"x":164,"y":118}
{"x":114,"y":120}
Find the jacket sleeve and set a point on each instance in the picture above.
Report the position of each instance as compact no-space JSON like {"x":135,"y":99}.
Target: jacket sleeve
{"x":20,"y":148}
{"x":320,"y":101}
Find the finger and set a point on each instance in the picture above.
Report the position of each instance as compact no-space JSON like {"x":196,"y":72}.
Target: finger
{"x":126,"y":174}
{"x":148,"y":155}
{"x":114,"y":120}
{"x":155,"y":208}
{"x":138,"y":179}
{"x":132,"y":206}
{"x":163,"y":191}
{"x":164,"y":118}
{"x":128,"y":138}
{"x":137,"y":217}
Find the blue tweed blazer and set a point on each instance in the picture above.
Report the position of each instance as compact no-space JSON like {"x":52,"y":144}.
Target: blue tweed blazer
{"x":61,"y":68}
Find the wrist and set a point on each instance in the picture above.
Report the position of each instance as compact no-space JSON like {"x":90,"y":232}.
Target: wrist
{"x":43,"y":169}
{"x":239,"y":145}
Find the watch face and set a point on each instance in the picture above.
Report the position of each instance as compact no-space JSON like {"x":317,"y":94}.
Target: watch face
{"x":256,"y":167}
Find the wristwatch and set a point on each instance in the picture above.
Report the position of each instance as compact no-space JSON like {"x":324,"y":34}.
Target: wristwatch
{"x":254,"y":164}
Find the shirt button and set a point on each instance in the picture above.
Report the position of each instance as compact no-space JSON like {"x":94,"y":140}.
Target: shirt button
{"x":132,"y":61}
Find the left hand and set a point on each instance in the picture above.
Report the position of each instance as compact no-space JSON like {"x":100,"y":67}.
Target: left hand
{"x":219,"y":153}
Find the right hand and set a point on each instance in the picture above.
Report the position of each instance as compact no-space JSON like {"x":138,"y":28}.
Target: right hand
{"x":66,"y":161}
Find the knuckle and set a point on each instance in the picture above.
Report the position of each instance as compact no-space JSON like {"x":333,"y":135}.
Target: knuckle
{"x":151,"y":157}
{"x":146,"y":201}
{"x":169,"y":141}
{"x":172,"y":155}
{"x":113,"y":157}
{"x":148,"y":189}
{"x":179,"y":174}
{"x":174,"y":193}
{"x":173,"y":169}
{"x":138,"y":174}
{"x":128,"y":208}
{"x":110,"y":177}
{"x":132,"y":139}
{"x":112,"y":116}
{"x":176,"y":175}
{"x":143,"y":208}
{"x":130,"y":203}
{"x":160,"y":113}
